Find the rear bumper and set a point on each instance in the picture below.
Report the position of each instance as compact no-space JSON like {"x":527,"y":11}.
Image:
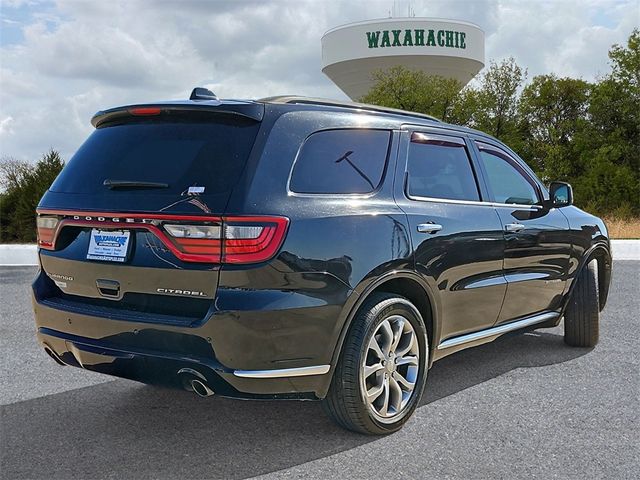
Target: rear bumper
{"x":281,"y":352}
{"x":176,"y":371}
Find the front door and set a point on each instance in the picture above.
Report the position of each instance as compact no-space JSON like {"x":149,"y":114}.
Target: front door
{"x":457,"y":238}
{"x":537,"y":249}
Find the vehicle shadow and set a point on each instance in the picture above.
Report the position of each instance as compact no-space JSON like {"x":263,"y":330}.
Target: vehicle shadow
{"x":122,"y":429}
{"x":535,"y":348}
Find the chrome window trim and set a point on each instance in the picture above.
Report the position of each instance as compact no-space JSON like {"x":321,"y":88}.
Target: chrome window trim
{"x":499,"y":330}
{"x":473,"y":202}
{"x":283,"y":372}
{"x":534,"y":207}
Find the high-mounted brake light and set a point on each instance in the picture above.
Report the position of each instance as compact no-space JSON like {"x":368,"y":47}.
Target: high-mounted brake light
{"x":143,"y":111}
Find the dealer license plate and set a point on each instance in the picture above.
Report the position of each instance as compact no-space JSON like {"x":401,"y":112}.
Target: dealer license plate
{"x":108,"y":245}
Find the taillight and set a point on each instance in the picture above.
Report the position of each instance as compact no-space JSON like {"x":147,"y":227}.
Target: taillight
{"x":191,"y":238}
{"x":46,"y":231}
{"x":201,"y":240}
{"x":194,"y":231}
{"x":238,"y":240}
{"x":252,"y":240}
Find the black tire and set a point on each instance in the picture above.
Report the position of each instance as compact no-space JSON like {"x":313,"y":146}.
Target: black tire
{"x":345,"y":403}
{"x":582,"y":316}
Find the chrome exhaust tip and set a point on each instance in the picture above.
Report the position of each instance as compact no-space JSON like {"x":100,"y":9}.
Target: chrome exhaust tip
{"x":200,"y":388}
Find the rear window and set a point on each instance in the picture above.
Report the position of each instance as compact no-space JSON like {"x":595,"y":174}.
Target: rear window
{"x":341,"y":161}
{"x":181,"y":154}
{"x":439,"y":167}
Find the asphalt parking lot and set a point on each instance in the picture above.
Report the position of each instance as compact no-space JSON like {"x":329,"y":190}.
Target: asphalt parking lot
{"x":524,"y":406}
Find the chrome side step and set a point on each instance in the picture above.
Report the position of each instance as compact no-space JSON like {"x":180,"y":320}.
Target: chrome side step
{"x":498,"y":330}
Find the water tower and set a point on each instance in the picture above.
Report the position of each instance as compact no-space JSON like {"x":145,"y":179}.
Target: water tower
{"x":352,"y":53}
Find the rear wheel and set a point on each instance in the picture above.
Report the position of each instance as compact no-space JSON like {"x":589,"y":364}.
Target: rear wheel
{"x":582,"y":316}
{"x":381,"y":372}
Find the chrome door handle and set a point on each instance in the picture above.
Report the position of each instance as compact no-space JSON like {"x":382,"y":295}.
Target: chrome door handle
{"x":429,"y":228}
{"x":514,"y":227}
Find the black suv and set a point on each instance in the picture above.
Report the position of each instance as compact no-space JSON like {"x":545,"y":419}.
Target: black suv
{"x":300,"y":248}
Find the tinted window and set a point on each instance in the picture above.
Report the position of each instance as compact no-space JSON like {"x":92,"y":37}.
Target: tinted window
{"x":506,"y":182}
{"x":441,"y":170}
{"x":341,"y":161}
{"x":181,"y":154}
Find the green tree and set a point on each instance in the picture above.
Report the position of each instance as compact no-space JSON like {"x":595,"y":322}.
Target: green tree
{"x":497,"y":99}
{"x":491,"y":107}
{"x":625,"y":62}
{"x":465,"y":107}
{"x":24,"y":184}
{"x":610,"y":141}
{"x":552,"y":111}
{"x":415,"y":91}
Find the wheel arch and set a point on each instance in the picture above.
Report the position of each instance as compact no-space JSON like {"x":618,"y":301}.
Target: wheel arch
{"x":406,"y":284}
{"x":603,"y":256}
{"x":602,"y":253}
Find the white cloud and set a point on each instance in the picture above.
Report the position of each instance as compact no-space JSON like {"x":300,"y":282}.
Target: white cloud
{"x":5,"y":126}
{"x":77,"y":57}
{"x":560,"y":36}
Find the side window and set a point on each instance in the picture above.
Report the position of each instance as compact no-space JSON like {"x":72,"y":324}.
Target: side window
{"x":505,"y":180}
{"x":341,"y":161}
{"x":439,"y":167}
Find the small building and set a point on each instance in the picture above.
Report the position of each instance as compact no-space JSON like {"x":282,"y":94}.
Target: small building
{"x":352,"y":53}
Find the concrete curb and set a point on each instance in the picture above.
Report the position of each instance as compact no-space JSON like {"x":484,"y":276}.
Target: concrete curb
{"x":27,"y":255}
{"x":626,"y":249}
{"x":18,"y":255}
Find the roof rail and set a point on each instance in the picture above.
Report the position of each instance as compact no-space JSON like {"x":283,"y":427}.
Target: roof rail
{"x":337,"y":103}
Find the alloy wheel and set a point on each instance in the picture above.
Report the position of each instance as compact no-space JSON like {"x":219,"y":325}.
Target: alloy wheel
{"x":390,"y":368}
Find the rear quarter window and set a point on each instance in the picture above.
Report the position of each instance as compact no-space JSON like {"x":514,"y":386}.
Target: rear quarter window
{"x":348,"y":161}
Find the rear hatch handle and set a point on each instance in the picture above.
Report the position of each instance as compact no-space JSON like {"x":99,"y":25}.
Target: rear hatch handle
{"x":108,"y":288}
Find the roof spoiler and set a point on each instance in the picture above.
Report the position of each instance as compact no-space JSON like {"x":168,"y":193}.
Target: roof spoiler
{"x":251,"y":110}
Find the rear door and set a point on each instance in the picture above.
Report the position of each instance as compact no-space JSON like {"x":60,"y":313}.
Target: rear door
{"x":112,"y":226}
{"x":457,"y":238}
{"x":537,"y":247}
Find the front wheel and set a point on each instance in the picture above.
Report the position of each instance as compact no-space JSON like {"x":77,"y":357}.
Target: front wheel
{"x":380,"y":376}
{"x":582,"y":316}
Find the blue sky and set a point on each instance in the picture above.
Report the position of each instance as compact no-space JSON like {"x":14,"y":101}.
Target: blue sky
{"x":62,"y":60}
{"x":16,"y":15}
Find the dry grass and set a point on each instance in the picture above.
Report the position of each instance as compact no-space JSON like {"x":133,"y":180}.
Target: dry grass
{"x":619,"y":228}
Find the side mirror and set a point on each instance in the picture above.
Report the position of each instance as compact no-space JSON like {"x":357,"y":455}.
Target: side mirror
{"x":560,"y":194}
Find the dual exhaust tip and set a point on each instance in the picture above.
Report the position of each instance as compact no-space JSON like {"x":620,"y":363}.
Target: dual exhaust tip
{"x":200,"y":388}
{"x":195,"y":381}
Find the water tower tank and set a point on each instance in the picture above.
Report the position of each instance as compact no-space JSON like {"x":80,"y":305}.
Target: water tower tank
{"x":352,"y":53}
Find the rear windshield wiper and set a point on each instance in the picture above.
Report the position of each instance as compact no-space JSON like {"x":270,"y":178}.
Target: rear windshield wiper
{"x":133,"y":184}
